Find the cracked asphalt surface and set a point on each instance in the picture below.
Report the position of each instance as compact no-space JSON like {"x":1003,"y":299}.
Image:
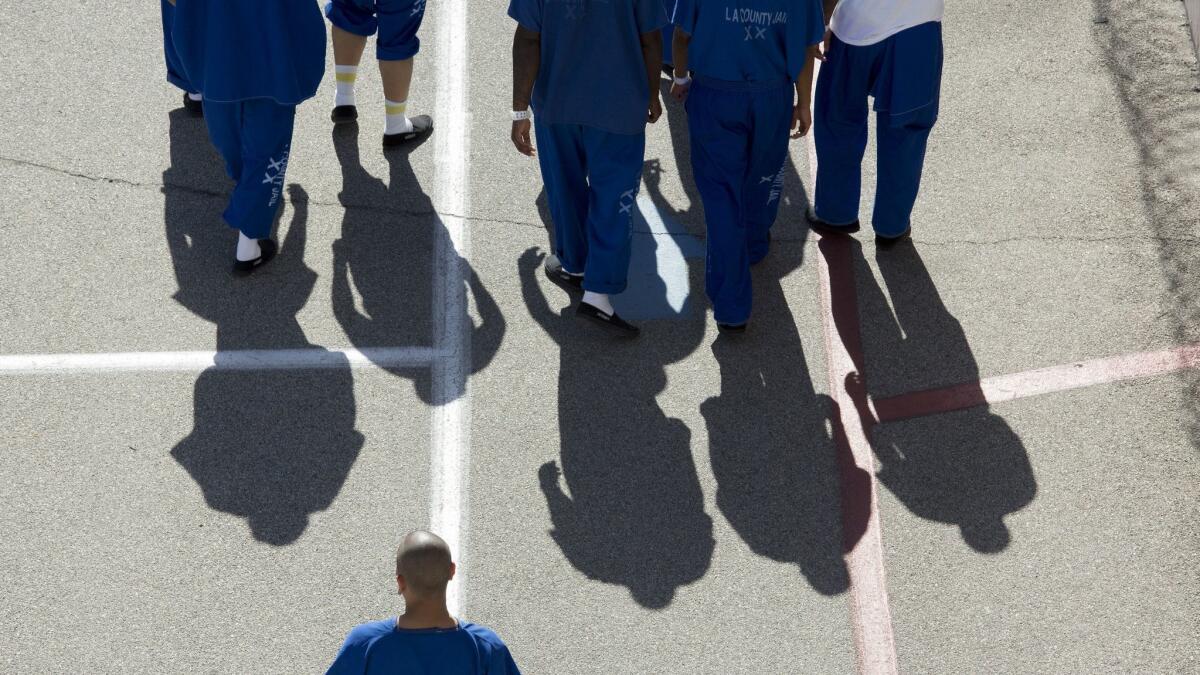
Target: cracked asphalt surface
{"x":670,"y":505}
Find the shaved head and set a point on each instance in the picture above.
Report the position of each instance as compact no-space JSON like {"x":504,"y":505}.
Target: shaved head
{"x":423,"y":559}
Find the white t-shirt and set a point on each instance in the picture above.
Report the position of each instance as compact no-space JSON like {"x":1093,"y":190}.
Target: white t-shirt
{"x":866,"y":22}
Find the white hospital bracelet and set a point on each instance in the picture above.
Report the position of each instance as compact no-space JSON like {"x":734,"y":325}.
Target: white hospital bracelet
{"x":519,"y":115}
{"x":683,"y":81}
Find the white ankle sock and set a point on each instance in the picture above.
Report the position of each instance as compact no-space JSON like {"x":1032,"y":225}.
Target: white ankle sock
{"x":247,"y":248}
{"x":598,"y":300}
{"x":396,"y":121}
{"x":344,"y":77}
{"x":195,"y":97}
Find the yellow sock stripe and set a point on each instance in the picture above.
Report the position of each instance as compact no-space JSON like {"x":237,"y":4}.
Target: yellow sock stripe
{"x":396,"y":108}
{"x":346,"y":77}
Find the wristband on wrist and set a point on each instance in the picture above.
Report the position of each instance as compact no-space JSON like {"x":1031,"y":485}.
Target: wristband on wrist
{"x":518,"y":115}
{"x":683,"y":81}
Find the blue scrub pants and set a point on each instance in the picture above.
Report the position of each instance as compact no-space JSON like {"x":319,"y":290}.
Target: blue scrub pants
{"x":396,"y":22}
{"x":592,"y":179}
{"x":739,"y":135}
{"x":255,"y":138}
{"x":904,"y":75}
{"x":668,"y":39}
{"x":175,"y":74}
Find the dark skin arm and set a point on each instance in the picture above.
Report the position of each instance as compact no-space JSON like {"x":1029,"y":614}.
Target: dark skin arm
{"x":527,"y":59}
{"x":679,"y":52}
{"x":652,"y":51}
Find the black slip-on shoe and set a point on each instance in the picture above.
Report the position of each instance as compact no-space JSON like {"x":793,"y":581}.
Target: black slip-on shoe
{"x":885,"y":243}
{"x":344,"y":114}
{"x":195,"y":108}
{"x":829,"y":229}
{"x":244,"y":268}
{"x":422,"y":126}
{"x":609,"y":322}
{"x":560,"y":276}
{"x":731,"y":329}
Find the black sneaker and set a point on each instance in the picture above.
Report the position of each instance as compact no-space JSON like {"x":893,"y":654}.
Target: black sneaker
{"x":731,"y":329}
{"x":560,"y":276}
{"x":610,"y":322}
{"x":344,"y":114}
{"x":885,"y":243}
{"x":422,"y":126}
{"x":244,"y":268}
{"x":829,"y":229}
{"x":195,"y":108}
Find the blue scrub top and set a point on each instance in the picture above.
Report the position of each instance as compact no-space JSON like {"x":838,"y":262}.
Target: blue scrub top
{"x":237,"y":50}
{"x":379,"y":647}
{"x":750,"y":40}
{"x":592,"y":72}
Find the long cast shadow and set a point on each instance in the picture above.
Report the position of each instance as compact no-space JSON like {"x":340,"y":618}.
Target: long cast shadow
{"x":967,"y":468}
{"x":632,"y":511}
{"x":784,"y":475}
{"x":272,"y":447}
{"x":383,"y":292}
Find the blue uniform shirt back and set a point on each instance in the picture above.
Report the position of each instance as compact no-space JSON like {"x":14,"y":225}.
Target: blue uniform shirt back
{"x":239,"y":50}
{"x":592,"y":71}
{"x":380,"y":647}
{"x":750,"y":40}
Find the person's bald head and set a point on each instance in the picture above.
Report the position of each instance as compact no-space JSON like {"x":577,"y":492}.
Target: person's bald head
{"x":423,"y":562}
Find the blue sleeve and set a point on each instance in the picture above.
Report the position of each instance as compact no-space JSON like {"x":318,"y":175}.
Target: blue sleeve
{"x":802,"y":34}
{"x":528,"y":13}
{"x":650,"y":15}
{"x":502,"y":662}
{"x":686,"y":13}
{"x":351,"y":658}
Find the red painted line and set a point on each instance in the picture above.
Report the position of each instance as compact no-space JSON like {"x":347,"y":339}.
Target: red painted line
{"x":870,"y":616}
{"x":1037,"y":382}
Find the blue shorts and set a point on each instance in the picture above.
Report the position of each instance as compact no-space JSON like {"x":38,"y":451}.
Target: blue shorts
{"x":395,"y":21}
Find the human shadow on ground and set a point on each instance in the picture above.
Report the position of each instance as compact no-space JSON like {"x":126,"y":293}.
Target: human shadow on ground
{"x":632,"y":513}
{"x":383,"y":292}
{"x":783,"y":467}
{"x":270,"y":446}
{"x":966,"y":468}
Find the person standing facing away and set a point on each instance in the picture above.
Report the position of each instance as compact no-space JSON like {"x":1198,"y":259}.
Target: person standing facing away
{"x":193,"y":102}
{"x":751,"y":77}
{"x":892,"y":51}
{"x":590,"y":69}
{"x":425,"y":638}
{"x":254,"y":62}
{"x":396,"y":22}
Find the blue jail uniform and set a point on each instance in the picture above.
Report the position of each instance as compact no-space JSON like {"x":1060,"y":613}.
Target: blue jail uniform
{"x":745,"y":61}
{"x":592,"y":180}
{"x":254,"y":62}
{"x":175,"y":74}
{"x":383,"y":648}
{"x":903,"y":73}
{"x":590,"y":103}
{"x":395,"y":21}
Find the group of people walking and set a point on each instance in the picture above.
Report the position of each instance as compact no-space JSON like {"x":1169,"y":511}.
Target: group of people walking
{"x":586,"y":82}
{"x":744,"y":70}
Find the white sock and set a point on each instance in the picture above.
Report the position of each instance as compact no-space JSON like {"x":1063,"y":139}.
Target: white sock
{"x":247,"y":249}
{"x":599,"y":301}
{"x":195,"y":97}
{"x":344,"y":77}
{"x":397,"y":122}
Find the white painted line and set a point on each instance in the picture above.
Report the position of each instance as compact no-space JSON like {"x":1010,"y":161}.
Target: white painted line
{"x":452,"y":337}
{"x":185,"y":362}
{"x":870,"y":615}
